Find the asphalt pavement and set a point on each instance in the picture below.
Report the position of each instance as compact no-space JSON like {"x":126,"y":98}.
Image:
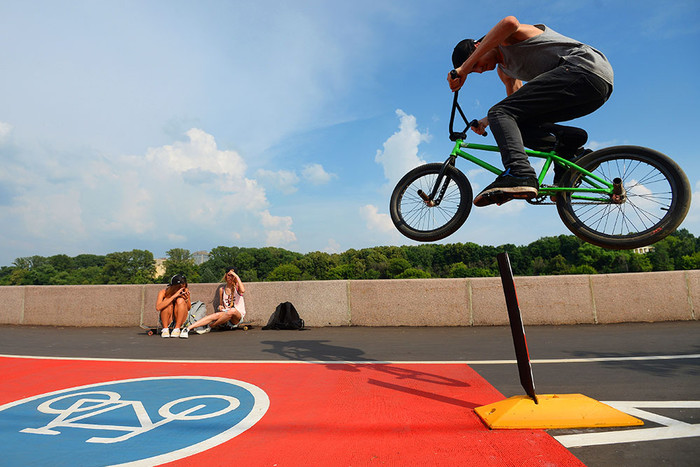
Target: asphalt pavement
{"x":648,"y":362}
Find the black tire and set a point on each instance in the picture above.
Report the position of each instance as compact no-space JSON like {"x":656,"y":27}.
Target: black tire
{"x":657,"y":198}
{"x":418,"y":221}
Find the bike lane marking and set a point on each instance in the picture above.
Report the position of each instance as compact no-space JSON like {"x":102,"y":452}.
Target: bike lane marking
{"x":321,"y":413}
{"x":374,"y":362}
{"x":81,"y":419}
{"x":671,"y":429}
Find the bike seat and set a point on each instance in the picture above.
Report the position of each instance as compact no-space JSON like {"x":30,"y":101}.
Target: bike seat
{"x":569,"y":138}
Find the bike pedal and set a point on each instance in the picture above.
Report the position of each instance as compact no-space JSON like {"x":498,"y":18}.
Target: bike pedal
{"x":496,"y":197}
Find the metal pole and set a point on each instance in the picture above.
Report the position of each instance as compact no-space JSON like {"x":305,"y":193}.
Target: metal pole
{"x":516,"y":326}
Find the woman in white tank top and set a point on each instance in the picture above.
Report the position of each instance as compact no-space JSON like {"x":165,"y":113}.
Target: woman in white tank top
{"x":231,"y":304}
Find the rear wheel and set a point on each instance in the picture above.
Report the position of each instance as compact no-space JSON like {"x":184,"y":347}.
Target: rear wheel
{"x":654,"y":202}
{"x":426,"y":220}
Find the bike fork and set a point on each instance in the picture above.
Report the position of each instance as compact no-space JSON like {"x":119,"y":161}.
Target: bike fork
{"x":439,"y":188}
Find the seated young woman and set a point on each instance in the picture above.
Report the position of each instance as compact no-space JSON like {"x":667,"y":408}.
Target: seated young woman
{"x":231,"y":304}
{"x":173,"y":304}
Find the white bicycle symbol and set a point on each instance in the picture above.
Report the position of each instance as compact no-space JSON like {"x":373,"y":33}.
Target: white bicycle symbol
{"x":89,"y":404}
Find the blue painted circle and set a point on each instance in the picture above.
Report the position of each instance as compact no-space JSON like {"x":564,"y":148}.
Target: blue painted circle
{"x":147,"y":421}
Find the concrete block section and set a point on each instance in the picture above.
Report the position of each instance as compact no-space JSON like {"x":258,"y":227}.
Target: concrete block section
{"x":74,"y":305}
{"x":653,"y":296}
{"x":488,"y":302}
{"x":319,"y":303}
{"x":410,"y":302}
{"x":693,"y":282}
{"x":555,"y":300}
{"x":12,"y":304}
{"x":542,"y":300}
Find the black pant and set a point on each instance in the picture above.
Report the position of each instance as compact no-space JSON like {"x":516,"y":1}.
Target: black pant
{"x":562,"y":94}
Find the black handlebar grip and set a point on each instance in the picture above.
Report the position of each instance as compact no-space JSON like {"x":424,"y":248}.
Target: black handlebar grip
{"x":475,"y":123}
{"x":453,"y":74}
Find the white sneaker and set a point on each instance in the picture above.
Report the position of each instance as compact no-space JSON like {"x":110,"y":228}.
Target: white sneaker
{"x":201,"y":331}
{"x":165,"y":332}
{"x":175,"y":333}
{"x":184,"y":333}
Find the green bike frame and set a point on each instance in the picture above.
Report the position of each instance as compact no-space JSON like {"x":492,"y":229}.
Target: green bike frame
{"x":598,"y":185}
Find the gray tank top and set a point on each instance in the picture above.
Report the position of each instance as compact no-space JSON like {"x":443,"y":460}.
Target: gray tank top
{"x":530,"y":58}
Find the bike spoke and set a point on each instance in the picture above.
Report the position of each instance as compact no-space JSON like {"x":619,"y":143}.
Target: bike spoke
{"x":648,"y":199}
{"x":422,"y":217}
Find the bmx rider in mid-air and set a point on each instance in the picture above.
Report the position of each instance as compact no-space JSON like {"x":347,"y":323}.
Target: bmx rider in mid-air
{"x":565,"y":79}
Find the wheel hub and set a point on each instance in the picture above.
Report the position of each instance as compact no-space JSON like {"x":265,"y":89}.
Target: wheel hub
{"x":619,"y":195}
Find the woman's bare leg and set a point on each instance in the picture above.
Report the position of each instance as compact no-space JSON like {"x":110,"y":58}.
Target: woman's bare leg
{"x":180,"y":312}
{"x":166,"y":316}
{"x":207,"y":320}
{"x":217,"y":319}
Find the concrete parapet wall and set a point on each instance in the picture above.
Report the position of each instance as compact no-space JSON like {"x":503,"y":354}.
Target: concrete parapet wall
{"x":610,"y":298}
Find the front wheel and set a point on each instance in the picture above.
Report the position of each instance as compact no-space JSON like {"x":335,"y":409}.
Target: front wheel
{"x":428,"y":220}
{"x":654,"y":202}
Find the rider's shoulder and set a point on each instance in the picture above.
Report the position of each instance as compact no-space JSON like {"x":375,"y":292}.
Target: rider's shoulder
{"x":524,"y":32}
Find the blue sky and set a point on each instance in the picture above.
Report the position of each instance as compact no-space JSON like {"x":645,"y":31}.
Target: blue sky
{"x":180,"y":124}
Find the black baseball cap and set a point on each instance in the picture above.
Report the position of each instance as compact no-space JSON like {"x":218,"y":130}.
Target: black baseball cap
{"x":463,"y":50}
{"x":178,"y":279}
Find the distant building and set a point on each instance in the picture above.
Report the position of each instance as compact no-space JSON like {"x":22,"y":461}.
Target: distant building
{"x":160,"y":266}
{"x":643,"y":250}
{"x":200,"y":257}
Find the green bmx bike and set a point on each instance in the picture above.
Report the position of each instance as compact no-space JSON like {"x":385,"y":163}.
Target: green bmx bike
{"x":621,"y":197}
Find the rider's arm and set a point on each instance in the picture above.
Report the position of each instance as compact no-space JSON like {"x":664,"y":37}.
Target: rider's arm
{"x":508,"y":31}
{"x":498,"y":35}
{"x":511,"y":84}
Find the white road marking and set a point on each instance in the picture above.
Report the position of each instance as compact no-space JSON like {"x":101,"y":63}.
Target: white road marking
{"x":379,"y":362}
{"x":671,"y":429}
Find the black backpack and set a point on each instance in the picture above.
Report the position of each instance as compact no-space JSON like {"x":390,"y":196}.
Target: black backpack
{"x":285,"y":317}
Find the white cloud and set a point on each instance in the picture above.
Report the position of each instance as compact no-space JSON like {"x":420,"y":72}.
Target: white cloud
{"x":282,"y":180}
{"x":47,"y":214}
{"x":278,"y":229}
{"x":205,"y":181}
{"x":376,"y":220}
{"x":168,"y":196}
{"x":332,"y":247}
{"x":5,"y":130}
{"x":400,"y":153}
{"x":316,"y":174}
{"x":286,"y":181}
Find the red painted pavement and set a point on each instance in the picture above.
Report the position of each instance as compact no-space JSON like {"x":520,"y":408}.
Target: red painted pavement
{"x":331,"y":415}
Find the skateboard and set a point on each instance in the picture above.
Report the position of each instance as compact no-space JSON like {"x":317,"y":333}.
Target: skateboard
{"x":245,"y":326}
{"x":150,"y":330}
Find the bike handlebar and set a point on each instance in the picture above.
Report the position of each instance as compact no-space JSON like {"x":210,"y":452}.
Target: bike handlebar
{"x":455,"y":106}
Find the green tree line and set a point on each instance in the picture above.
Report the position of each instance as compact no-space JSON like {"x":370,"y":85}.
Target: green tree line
{"x":564,"y":254}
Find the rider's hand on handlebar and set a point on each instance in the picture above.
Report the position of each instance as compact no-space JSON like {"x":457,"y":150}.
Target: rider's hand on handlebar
{"x":481,"y":126}
{"x":455,"y":80}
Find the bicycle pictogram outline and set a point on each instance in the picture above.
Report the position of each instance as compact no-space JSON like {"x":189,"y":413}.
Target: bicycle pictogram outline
{"x":88,"y":405}
{"x":195,"y":413}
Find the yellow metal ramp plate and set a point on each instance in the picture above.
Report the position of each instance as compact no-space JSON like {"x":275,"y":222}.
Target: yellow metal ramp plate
{"x":553,"y":411}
